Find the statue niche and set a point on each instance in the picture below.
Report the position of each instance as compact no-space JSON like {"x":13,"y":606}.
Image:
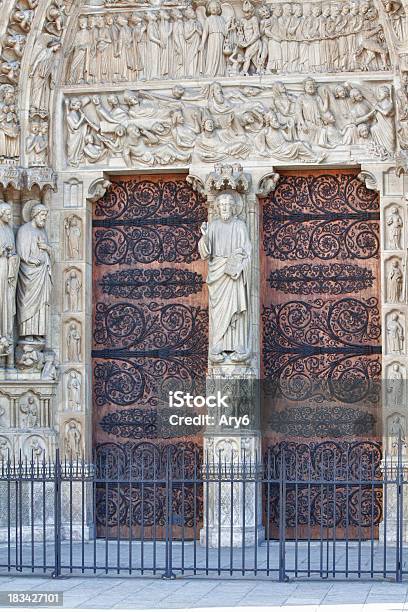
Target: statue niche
{"x":225,"y":243}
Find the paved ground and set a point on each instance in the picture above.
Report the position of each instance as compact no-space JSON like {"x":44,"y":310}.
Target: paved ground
{"x":205,"y":594}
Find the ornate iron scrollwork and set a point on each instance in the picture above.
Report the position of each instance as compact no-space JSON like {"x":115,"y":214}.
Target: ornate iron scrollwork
{"x":142,"y":503}
{"x":145,"y":221}
{"x":326,"y":349}
{"x":309,"y":279}
{"x":359,"y":504}
{"x":321,"y":217}
{"x":151,"y":343}
{"x":163,"y":283}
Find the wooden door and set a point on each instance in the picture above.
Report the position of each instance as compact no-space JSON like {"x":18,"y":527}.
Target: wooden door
{"x":321,"y":343}
{"x":150,"y":327}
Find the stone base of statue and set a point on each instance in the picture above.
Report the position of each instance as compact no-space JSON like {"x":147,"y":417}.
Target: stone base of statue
{"x":30,"y":354}
{"x":232,"y":502}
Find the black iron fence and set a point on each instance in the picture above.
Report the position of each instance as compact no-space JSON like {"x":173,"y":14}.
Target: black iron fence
{"x":338,"y":513}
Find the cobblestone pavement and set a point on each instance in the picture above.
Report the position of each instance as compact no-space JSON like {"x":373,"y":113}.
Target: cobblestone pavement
{"x":205,"y":594}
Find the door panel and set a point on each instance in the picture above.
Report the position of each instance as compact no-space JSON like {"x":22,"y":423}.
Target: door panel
{"x":321,"y":331}
{"x":150,"y":328}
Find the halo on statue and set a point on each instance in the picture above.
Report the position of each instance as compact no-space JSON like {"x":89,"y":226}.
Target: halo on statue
{"x":239,"y":202}
{"x":28,"y":208}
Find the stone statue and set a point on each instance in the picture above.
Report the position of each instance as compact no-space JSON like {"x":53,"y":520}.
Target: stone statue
{"x":395,"y":225}
{"x":73,"y":342}
{"x":395,"y":387}
{"x":396,"y":335}
{"x":43,"y":75}
{"x":396,"y":433}
{"x":73,"y":288}
{"x":4,"y":449}
{"x":395,"y":282}
{"x":212,"y":42}
{"x":226,"y":245}
{"x":74,"y":391}
{"x":36,"y":448}
{"x":29,"y":408}
{"x":34,"y":278}
{"x":73,"y":236}
{"x":73,"y":438}
{"x":9,"y":123}
{"x":50,"y":369}
{"x":8,"y":275}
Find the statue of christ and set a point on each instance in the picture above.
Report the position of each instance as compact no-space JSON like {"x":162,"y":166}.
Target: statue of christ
{"x":225,"y":243}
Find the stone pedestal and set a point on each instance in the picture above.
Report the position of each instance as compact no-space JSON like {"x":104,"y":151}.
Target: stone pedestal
{"x":232,"y":491}
{"x":233,"y":461}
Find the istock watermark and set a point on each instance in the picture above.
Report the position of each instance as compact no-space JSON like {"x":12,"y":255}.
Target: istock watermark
{"x":218,"y":404}
{"x":180,"y":399}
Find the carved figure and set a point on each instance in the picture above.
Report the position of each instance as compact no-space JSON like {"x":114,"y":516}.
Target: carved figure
{"x":29,"y":409}
{"x":395,"y":282}
{"x":74,"y":391}
{"x":43,"y":75}
{"x":73,"y":236}
{"x":73,"y":288}
{"x":396,"y":433}
{"x":212,"y":42}
{"x":396,"y":335}
{"x":395,"y":225}
{"x":36,"y":448}
{"x":8,"y":276}
{"x":37,"y":144}
{"x":9,"y":124}
{"x":275,"y":141}
{"x":395,"y":387}
{"x":50,"y":369}
{"x":34,"y":278}
{"x":226,"y":245}
{"x":73,"y":343}
{"x":73,"y":438}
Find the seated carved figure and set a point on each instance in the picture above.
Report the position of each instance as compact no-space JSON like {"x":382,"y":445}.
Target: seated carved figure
{"x":275,"y":141}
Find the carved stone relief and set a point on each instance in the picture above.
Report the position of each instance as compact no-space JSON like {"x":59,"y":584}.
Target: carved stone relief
{"x":394,"y":227}
{"x":73,"y":237}
{"x":35,"y":448}
{"x":73,"y":341}
{"x":395,"y":332}
{"x":72,"y":194}
{"x":73,"y":438}
{"x":73,"y":391}
{"x":4,"y":411}
{"x":214,"y":122}
{"x":394,"y":280}
{"x":29,"y":412}
{"x":396,"y":430}
{"x":6,"y":449}
{"x":220,"y":39}
{"x":9,"y":263}
{"x":73,"y":290}
{"x":395,"y":385}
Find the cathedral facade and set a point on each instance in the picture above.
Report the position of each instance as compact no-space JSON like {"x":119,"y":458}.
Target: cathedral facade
{"x":202,"y":193}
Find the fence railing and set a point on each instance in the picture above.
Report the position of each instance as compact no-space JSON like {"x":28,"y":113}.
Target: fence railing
{"x":289,"y":515}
